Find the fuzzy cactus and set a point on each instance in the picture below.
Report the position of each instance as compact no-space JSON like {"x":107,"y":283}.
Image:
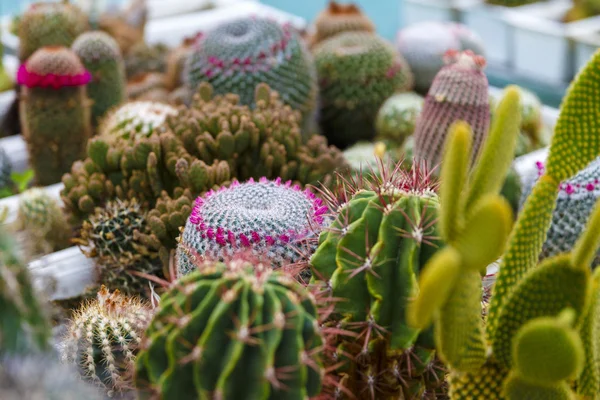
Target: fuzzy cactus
{"x":238,"y":55}
{"x":397,"y":117}
{"x":263,"y":318}
{"x":133,"y":120}
{"x":103,"y":339}
{"x":357,"y":72}
{"x":424,"y":44}
{"x":55,"y":111}
{"x":459,"y":92}
{"x":143,"y":58}
{"x":100,"y":54}
{"x":272,"y":218}
{"x":49,"y":24}
{"x":337,"y":18}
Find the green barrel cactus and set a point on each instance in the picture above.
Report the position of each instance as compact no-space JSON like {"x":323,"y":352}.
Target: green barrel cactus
{"x":100,"y":54}
{"x":397,"y":117}
{"x":49,"y":24}
{"x":136,"y":119}
{"x":240,"y":54}
{"x":55,"y":111}
{"x":271,"y":218}
{"x":337,"y":18}
{"x":103,"y":339}
{"x":357,"y":72}
{"x":233,"y":331}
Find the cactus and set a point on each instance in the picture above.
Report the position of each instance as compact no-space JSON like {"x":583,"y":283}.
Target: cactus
{"x":134,"y":120}
{"x":143,"y":58}
{"x":176,"y":62}
{"x":238,"y":55}
{"x":49,"y":24}
{"x":262,"y":318}
{"x":338,"y":18}
{"x":459,"y":92}
{"x":397,"y":117}
{"x":55,"y":111}
{"x":100,"y":54}
{"x":424,"y":44}
{"x":103,"y":339}
{"x":148,"y":86}
{"x":357,"y":72}
{"x":272,"y":218}
{"x":365,"y":156}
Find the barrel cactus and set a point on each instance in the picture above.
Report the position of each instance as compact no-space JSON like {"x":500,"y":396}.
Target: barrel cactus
{"x":357,"y":72}
{"x":459,"y":92}
{"x":238,"y":55}
{"x":337,"y":18}
{"x":100,"y":54}
{"x":135,"y":119}
{"x":397,"y":117}
{"x":261,"y":316}
{"x":103,"y":339}
{"x":49,"y":24}
{"x":274,"y":218}
{"x":55,"y":111}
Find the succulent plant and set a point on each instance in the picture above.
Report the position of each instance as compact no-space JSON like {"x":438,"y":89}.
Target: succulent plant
{"x":136,"y":119}
{"x":148,"y":86}
{"x":100,"y":54}
{"x":424,"y":44}
{"x":357,"y":72}
{"x":265,"y":320}
{"x":364,"y":156}
{"x":49,"y":24}
{"x":55,"y":111}
{"x":143,"y":58}
{"x":397,"y":117}
{"x":337,"y":18}
{"x":176,"y":62}
{"x":103,"y":339}
{"x":272,"y":218}
{"x":240,"y":54}
{"x":459,"y":92}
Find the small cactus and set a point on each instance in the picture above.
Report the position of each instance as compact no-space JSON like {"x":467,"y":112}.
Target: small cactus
{"x":337,"y":18}
{"x":133,"y":120}
{"x":143,"y":58}
{"x":397,"y":117}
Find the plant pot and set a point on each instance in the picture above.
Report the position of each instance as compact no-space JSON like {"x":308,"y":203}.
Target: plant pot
{"x":585,"y":46}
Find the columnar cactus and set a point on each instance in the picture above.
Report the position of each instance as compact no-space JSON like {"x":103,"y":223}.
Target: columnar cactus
{"x":397,"y":117}
{"x":265,"y":320}
{"x":55,"y":111}
{"x":337,"y":18}
{"x":272,"y":218}
{"x":238,"y":55}
{"x":100,"y":54}
{"x":49,"y":24}
{"x":136,"y":119}
{"x":103,"y":340}
{"x":357,"y":72}
{"x":459,"y":92}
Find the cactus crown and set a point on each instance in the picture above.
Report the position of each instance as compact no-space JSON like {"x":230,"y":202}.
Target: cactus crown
{"x":53,"y":66}
{"x":96,"y":46}
{"x":136,"y":119}
{"x":38,"y":210}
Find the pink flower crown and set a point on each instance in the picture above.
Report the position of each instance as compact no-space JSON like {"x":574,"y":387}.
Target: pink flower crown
{"x":55,"y":81}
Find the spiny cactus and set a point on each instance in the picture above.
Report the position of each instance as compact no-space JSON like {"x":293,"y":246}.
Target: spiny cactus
{"x":397,"y":117}
{"x":357,"y":72}
{"x":272,"y":218}
{"x":103,"y":339}
{"x":136,"y":119}
{"x":100,"y":54}
{"x":424,"y":44}
{"x":49,"y":24}
{"x":148,"y":86}
{"x":238,"y":55}
{"x":337,"y":18}
{"x":55,"y":111}
{"x":143,"y":58}
{"x":262,"y":318}
{"x":459,"y":92}
{"x":40,"y":216}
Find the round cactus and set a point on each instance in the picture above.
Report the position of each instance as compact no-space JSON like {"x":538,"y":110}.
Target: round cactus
{"x":424,"y":44}
{"x":459,"y":92}
{"x":233,"y":331}
{"x":272,"y":218}
{"x":236,"y":56}
{"x":103,"y":339}
{"x":101,"y":55}
{"x":364,"y":156}
{"x":136,"y":119}
{"x":49,"y":24}
{"x":397,"y":117}
{"x":357,"y":72}
{"x":337,"y":18}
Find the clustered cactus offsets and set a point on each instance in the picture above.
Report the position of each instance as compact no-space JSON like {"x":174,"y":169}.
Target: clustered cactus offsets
{"x":273,"y":218}
{"x":337,"y":18}
{"x":357,"y":72}
{"x":136,"y":119}
{"x":55,"y":111}
{"x":238,"y":55}
{"x":103,"y":339}
{"x":233,"y":331}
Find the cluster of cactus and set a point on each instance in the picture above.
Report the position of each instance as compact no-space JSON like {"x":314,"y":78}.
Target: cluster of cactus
{"x":397,"y":117}
{"x":49,"y":24}
{"x":103,"y":339}
{"x":143,"y":58}
{"x":272,"y":218}
{"x":133,"y":120}
{"x":233,"y":331}
{"x":55,"y":111}
{"x":424,"y":44}
{"x":101,"y":56}
{"x":238,"y":55}
{"x":338,"y":18}
{"x":459,"y":92}
{"x":540,"y":336}
{"x":357,"y":72}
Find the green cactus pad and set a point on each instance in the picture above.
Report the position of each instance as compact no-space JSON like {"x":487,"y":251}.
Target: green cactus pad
{"x":517,"y":389}
{"x":484,"y":384}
